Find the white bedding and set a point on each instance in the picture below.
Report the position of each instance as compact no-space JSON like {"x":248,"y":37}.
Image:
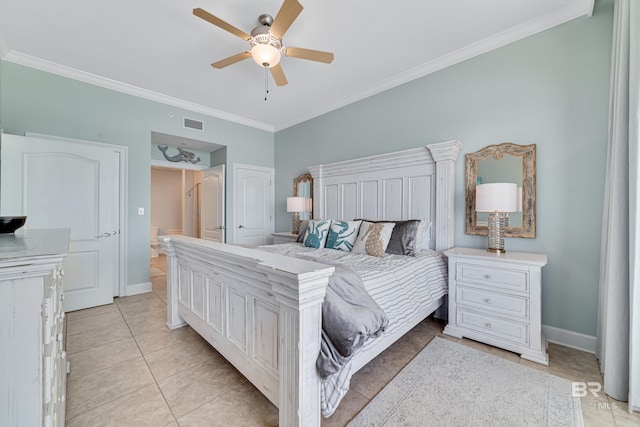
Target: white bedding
{"x":400,"y":285}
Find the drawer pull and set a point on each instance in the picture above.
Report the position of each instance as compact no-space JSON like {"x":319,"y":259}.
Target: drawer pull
{"x":488,"y":300}
{"x":487,"y":276}
{"x":488,"y":325}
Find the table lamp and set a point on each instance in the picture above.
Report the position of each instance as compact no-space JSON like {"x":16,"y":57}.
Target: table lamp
{"x":296,"y":205}
{"x":497,"y":199}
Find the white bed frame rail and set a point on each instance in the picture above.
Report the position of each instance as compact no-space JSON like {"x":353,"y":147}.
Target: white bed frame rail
{"x":263,"y":312}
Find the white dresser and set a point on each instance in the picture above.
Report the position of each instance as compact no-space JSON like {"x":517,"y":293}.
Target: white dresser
{"x":33,"y":366}
{"x":496,"y":299}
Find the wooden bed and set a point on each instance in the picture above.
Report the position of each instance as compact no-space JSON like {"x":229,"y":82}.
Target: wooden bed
{"x":263,"y":311}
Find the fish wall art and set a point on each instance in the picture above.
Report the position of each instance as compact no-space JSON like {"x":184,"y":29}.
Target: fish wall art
{"x":182,"y":156}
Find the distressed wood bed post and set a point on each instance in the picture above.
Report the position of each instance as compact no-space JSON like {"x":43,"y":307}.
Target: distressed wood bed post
{"x":445,"y":154}
{"x":300,"y":297}
{"x":173,"y":320}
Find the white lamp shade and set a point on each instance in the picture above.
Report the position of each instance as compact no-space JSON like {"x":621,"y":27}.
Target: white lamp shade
{"x":265,"y":55}
{"x":499,"y":196}
{"x":296,"y":204}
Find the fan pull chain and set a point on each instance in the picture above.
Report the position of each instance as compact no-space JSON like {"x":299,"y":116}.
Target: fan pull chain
{"x":266,"y":82}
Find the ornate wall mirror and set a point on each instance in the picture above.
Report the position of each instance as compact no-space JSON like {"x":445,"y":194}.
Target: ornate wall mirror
{"x":505,"y":162}
{"x":303,"y":187}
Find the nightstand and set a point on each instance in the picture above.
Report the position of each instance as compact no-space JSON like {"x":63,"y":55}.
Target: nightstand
{"x":284,"y":237}
{"x":496,"y":299}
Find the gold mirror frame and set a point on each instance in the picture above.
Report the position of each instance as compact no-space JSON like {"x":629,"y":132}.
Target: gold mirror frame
{"x":528,"y":154}
{"x":302,"y":179}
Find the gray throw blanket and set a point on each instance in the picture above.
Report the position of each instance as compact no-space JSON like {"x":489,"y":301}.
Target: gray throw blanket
{"x":349,"y":318}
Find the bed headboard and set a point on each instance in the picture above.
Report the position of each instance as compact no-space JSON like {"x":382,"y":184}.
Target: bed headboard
{"x":409,"y":184}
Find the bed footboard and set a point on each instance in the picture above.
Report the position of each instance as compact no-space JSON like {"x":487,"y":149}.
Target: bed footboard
{"x":261,"y":311}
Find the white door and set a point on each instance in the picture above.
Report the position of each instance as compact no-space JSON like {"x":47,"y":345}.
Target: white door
{"x":212,"y":204}
{"x":64,"y":184}
{"x":253,"y":210}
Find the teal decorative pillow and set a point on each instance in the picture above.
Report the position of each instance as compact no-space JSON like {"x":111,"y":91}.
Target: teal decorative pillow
{"x":342,"y":235}
{"x":316,"y":234}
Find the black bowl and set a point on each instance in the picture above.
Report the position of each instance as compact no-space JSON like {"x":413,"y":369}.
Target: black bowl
{"x":9,"y":224}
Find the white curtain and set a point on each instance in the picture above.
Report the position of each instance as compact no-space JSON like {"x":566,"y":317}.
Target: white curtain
{"x":618,"y":345}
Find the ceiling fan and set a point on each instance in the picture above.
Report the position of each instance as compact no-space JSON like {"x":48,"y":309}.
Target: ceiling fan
{"x":266,"y":41}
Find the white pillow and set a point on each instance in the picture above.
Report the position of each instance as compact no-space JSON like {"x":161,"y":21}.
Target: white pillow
{"x":342,"y":235}
{"x":373,"y":238}
{"x":424,"y":236}
{"x":316,"y":234}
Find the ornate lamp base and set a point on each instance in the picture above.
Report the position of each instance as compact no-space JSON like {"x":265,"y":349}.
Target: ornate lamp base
{"x":497,"y":221}
{"x":295,"y":225}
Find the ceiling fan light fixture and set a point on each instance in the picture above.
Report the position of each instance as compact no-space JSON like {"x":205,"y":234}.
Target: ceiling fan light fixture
{"x":266,"y":41}
{"x":265,"y":55}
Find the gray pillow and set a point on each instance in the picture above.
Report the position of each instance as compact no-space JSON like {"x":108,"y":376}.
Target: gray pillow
{"x":404,"y":238}
{"x":303,"y":228}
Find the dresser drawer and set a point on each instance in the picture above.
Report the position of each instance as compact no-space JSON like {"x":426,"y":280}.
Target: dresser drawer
{"x":493,"y":302}
{"x":504,"y":278}
{"x":496,"y":327}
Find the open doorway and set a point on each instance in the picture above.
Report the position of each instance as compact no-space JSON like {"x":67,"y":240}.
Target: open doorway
{"x":174,"y":203}
{"x":188,"y":203}
{"x":187,"y":197}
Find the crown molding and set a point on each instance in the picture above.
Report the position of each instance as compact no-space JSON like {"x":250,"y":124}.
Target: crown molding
{"x":588,"y":6}
{"x":72,"y":73}
{"x":574,"y":10}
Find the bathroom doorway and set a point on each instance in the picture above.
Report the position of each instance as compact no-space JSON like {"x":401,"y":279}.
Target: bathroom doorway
{"x":187,"y":202}
{"x":187,"y":194}
{"x":174,"y":203}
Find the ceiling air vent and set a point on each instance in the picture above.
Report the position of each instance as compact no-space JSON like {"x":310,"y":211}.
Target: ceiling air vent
{"x":193,"y":124}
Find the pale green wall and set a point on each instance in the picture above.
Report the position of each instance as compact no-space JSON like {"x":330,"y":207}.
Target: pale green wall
{"x":35,"y":101}
{"x":550,"y":89}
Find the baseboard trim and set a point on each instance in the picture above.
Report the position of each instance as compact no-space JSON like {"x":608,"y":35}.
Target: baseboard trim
{"x":570,"y":339}
{"x":138,"y":288}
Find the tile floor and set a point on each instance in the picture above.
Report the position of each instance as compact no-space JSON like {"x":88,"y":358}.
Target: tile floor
{"x":127,"y":368}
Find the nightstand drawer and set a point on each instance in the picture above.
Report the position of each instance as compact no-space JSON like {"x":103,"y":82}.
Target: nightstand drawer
{"x":516,"y":280}
{"x":499,"y":328}
{"x":493,"y":302}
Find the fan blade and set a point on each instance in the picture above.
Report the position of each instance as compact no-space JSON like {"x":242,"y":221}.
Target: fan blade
{"x":231,"y":60}
{"x":288,"y":13}
{"x":310,"y":54}
{"x":201,"y":13}
{"x":278,"y":75}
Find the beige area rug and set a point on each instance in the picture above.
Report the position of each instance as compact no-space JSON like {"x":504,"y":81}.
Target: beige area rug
{"x":449,"y":384}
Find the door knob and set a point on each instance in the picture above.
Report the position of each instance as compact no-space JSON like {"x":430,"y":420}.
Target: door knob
{"x":107,"y":234}
{"x":241,"y":226}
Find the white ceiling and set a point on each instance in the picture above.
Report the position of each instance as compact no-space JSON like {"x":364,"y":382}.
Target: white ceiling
{"x":161,"y":51}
